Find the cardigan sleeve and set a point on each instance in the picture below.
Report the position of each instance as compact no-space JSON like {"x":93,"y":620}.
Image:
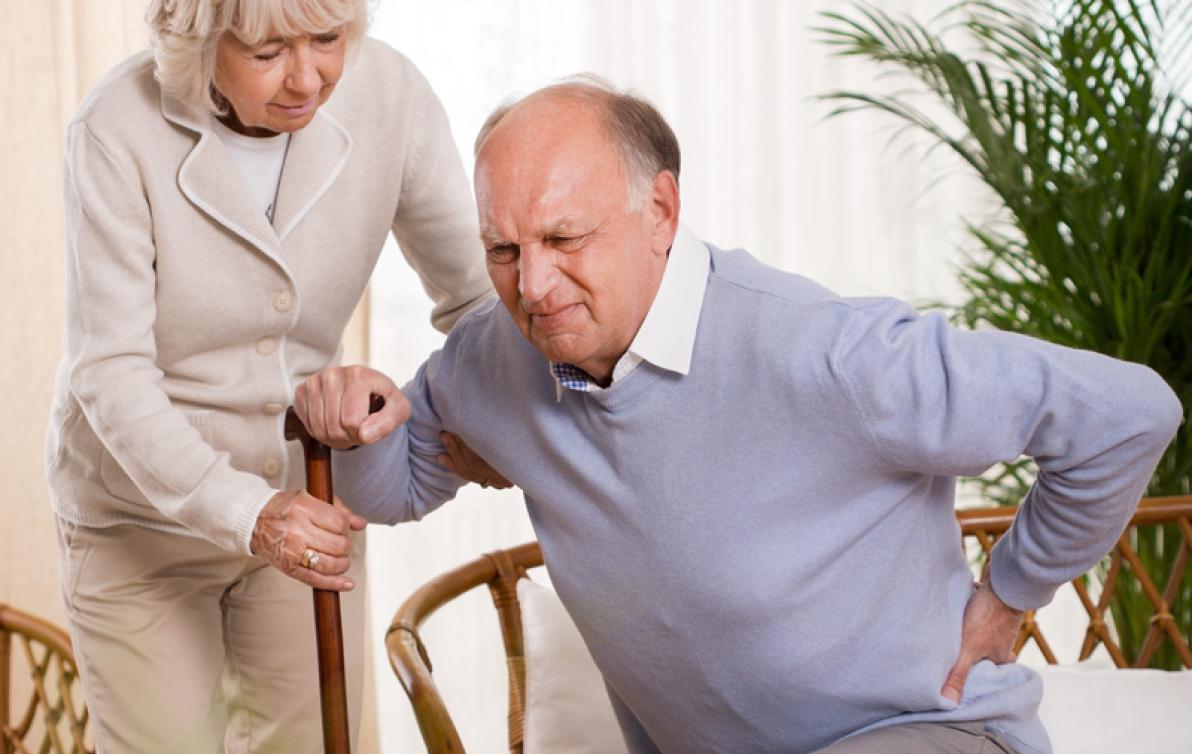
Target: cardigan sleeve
{"x":111,"y":353}
{"x":940,"y":401}
{"x":435,"y":224}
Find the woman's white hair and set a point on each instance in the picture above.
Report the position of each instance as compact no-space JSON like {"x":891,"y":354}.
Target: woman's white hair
{"x":184,"y":35}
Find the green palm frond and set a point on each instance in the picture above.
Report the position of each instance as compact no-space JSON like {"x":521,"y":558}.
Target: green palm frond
{"x":1074,"y":115}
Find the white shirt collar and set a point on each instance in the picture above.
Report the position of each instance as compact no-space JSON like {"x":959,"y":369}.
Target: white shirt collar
{"x":666,"y":337}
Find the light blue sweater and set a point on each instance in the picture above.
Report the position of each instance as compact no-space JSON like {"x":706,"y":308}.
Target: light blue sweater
{"x":762,"y":555}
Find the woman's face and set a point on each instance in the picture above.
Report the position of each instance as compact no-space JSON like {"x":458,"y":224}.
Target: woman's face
{"x":278,"y":86}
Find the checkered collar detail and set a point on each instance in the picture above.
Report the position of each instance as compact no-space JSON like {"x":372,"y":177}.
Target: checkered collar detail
{"x":571,"y":377}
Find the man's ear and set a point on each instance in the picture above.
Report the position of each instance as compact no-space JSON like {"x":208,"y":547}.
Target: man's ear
{"x":664,"y":211}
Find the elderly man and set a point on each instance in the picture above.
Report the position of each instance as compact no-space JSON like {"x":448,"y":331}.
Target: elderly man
{"x":743,"y":483}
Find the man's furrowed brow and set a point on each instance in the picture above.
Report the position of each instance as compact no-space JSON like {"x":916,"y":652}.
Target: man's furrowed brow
{"x":565,"y":226}
{"x":491,"y":238}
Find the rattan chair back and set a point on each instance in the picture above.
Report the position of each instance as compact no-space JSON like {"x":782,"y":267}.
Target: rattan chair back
{"x":501,"y":570}
{"x":37,"y":665}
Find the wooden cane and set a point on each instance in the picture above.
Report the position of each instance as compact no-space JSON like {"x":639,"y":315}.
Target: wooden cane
{"x":328,"y":627}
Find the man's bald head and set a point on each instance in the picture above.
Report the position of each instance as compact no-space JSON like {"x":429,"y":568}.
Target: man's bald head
{"x":632,"y":125}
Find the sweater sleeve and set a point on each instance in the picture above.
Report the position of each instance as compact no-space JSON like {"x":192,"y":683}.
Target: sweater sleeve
{"x":111,"y":352}
{"x":399,"y":479}
{"x":940,"y":401}
{"x":435,"y":224}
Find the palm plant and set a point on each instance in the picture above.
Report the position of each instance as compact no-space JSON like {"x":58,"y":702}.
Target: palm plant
{"x":1072,"y":114}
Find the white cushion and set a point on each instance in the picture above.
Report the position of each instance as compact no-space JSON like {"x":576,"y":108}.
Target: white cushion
{"x":1087,"y":708}
{"x":1092,"y":708}
{"x":567,"y":707}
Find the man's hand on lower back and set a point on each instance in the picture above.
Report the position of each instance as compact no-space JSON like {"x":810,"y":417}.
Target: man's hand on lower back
{"x":988,"y":633}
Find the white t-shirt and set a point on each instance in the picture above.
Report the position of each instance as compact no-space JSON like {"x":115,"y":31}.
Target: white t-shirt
{"x":260,"y":159}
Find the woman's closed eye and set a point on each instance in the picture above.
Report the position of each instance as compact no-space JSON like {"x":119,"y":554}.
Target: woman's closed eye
{"x":266,"y":54}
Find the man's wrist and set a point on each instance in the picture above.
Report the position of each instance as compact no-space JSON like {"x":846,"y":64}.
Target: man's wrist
{"x":988,"y":584}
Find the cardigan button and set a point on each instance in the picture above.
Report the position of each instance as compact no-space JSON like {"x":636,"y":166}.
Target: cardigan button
{"x":283,"y":301}
{"x":266,"y":346}
{"x":271,"y":467}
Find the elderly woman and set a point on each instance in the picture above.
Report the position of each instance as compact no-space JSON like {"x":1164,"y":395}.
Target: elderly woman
{"x":227,"y":194}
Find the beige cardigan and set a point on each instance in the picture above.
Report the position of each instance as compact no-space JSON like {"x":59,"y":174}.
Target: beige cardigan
{"x":190,"y":319}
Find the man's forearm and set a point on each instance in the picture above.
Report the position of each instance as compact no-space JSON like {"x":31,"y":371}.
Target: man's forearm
{"x":1081,"y":502}
{"x":395,"y":479}
{"x":374,"y":480}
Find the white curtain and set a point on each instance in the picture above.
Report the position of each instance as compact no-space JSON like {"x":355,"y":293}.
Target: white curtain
{"x":763,"y":169}
{"x":50,"y":54}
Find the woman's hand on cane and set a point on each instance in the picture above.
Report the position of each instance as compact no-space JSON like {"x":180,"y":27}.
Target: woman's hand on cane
{"x":307,"y":539}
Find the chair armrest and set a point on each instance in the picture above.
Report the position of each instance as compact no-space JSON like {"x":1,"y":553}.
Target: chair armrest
{"x":410,"y":662}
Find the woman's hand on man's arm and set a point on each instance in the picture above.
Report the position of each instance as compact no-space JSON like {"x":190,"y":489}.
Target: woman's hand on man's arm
{"x":464,"y":462}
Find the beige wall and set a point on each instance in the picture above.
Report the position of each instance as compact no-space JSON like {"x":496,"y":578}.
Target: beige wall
{"x":51,"y":52}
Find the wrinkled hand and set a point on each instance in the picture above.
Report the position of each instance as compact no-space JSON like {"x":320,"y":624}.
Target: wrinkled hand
{"x":333,"y":406}
{"x":292,"y":522}
{"x":464,"y":462}
{"x":988,"y":632}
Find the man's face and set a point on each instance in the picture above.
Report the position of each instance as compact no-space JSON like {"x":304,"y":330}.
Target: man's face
{"x":575,"y":268}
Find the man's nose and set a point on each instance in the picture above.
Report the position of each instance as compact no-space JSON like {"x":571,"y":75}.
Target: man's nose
{"x":537,"y":274}
{"x":303,"y":76}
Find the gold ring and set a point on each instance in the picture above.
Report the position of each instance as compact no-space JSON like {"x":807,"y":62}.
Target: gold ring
{"x":310,"y":559}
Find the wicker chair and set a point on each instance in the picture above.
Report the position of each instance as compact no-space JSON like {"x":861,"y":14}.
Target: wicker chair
{"x":54,"y":719}
{"x":500,"y":572}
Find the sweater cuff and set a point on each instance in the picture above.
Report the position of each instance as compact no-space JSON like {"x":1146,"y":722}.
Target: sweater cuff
{"x":248,"y":521}
{"x":1014,"y":584}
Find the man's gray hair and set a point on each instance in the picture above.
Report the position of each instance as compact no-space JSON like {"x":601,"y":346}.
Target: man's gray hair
{"x":642,"y":136}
